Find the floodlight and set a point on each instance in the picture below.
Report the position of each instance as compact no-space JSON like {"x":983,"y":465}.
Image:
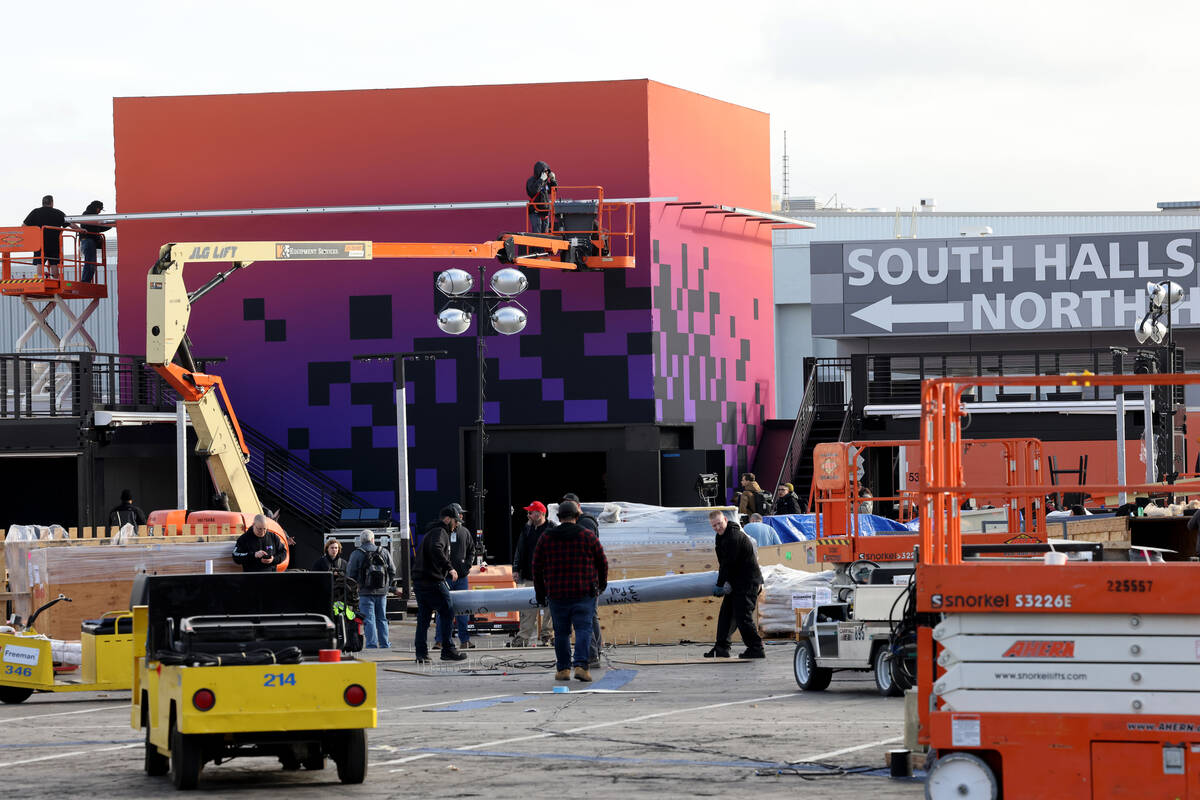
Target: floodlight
{"x":508,"y":320}
{"x":1158,"y":331}
{"x":509,"y":282}
{"x":454,"y":282}
{"x":454,"y":320}
{"x":1141,"y":331}
{"x":1164,"y":293}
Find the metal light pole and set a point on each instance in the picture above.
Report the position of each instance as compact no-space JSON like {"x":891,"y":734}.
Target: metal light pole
{"x":455,"y":319}
{"x":400,"y":386}
{"x":1162,"y":296}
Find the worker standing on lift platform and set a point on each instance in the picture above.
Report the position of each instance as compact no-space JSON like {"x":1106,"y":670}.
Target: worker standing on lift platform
{"x":538,"y":188}
{"x":47,"y":216}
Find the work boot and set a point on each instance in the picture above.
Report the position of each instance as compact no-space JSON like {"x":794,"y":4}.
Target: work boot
{"x":581,"y":674}
{"x":562,"y":675}
{"x":517,"y":641}
{"x":452,"y":654}
{"x":424,"y":659}
{"x":717,"y":652}
{"x":759,"y":653}
{"x":468,"y":645}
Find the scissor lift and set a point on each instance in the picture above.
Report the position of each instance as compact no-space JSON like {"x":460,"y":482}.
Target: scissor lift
{"x":1040,"y":680}
{"x":43,"y":288}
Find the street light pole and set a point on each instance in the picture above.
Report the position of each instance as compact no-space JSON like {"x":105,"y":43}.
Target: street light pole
{"x":401,"y":388}
{"x":455,"y":319}
{"x":480,"y":432}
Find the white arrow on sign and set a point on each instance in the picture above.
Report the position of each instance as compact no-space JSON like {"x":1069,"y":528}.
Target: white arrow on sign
{"x":884,"y":314}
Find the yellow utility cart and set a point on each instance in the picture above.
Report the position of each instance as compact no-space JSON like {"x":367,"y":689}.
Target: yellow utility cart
{"x":237,"y":665}
{"x":27,"y":659}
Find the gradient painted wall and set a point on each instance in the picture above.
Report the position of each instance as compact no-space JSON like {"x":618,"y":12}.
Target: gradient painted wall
{"x":289,"y":331}
{"x":713,"y":303}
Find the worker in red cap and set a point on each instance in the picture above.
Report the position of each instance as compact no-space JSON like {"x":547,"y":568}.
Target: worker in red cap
{"x":531,"y":620}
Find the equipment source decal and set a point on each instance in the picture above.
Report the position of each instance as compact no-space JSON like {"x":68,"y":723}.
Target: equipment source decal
{"x":16,"y":654}
{"x":320,"y":250}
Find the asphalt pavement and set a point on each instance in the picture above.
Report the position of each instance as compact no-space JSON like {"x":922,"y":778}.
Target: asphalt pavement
{"x":666,"y":723}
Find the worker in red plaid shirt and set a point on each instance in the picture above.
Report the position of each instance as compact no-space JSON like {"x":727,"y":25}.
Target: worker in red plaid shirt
{"x":569,"y":571}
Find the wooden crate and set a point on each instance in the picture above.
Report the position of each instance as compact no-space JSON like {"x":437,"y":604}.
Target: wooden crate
{"x":98,"y":576}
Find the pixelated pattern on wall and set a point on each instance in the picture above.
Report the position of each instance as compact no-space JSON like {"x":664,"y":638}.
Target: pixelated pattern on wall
{"x":709,"y":332}
{"x":586,"y":356}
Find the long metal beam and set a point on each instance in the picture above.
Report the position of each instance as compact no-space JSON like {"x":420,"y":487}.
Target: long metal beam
{"x":108,"y":219}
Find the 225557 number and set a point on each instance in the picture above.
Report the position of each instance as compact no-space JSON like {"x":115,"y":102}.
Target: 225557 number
{"x":1130,"y":585}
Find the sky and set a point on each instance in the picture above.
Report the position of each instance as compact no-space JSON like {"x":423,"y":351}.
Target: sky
{"x":984,"y":106}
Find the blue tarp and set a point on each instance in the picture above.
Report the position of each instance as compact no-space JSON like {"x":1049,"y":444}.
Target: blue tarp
{"x":800,"y":527}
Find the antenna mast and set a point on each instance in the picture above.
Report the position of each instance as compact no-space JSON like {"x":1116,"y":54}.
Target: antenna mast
{"x":785,"y":204}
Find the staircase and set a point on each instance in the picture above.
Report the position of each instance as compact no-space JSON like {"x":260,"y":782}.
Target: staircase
{"x":825,"y":428}
{"x":310,"y":503}
{"x":824,"y":416}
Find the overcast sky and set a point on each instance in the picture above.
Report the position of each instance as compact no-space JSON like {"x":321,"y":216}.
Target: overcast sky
{"x":983,"y":106}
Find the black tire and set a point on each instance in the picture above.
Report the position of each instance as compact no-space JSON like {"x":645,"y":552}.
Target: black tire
{"x":809,"y":676}
{"x":290,"y":762}
{"x":352,"y":756}
{"x":187,"y":759}
{"x":14,"y":694}
{"x":901,"y":678}
{"x":155,"y":763}
{"x":881,"y":665}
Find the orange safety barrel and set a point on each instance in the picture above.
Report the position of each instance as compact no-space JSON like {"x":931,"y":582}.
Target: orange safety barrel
{"x":211,"y":523}
{"x":159,"y":522}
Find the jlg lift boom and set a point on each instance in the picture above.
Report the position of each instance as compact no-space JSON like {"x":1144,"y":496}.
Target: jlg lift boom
{"x":168,"y":307}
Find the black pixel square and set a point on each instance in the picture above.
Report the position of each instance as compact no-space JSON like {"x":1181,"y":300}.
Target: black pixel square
{"x":371,"y":316}
{"x":297,"y":438}
{"x":276,"y":330}
{"x":254,"y":308}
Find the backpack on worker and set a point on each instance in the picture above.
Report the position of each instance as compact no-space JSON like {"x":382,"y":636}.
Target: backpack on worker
{"x":375,"y":576}
{"x":762,"y":503}
{"x":346,"y":621}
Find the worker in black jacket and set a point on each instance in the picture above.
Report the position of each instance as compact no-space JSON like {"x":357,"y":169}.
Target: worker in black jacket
{"x":786,"y":501}
{"x":537,"y":187}
{"x":462,"y":553}
{"x":258,"y":549}
{"x":432,"y":569}
{"x":738,"y":560}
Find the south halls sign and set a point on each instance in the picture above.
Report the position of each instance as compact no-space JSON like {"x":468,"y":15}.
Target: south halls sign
{"x":998,"y":284}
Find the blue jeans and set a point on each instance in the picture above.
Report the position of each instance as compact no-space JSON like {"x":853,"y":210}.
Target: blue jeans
{"x":87,"y":248}
{"x":373,"y":608}
{"x":461,"y":620}
{"x":568,"y":614}
{"x":432,"y":597}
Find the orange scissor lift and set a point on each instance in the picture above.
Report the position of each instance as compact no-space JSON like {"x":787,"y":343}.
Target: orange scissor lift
{"x":1038,"y":680}
{"x":835,"y":492}
{"x":43,"y":289}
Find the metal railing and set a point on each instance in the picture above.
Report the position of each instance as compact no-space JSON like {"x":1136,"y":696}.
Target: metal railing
{"x":827,"y":388}
{"x":74,"y":384}
{"x":896,"y":378}
{"x":281,"y":478}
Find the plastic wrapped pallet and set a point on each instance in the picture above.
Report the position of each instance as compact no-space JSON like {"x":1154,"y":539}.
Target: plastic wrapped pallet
{"x":776,"y":615}
{"x":97,"y":578}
